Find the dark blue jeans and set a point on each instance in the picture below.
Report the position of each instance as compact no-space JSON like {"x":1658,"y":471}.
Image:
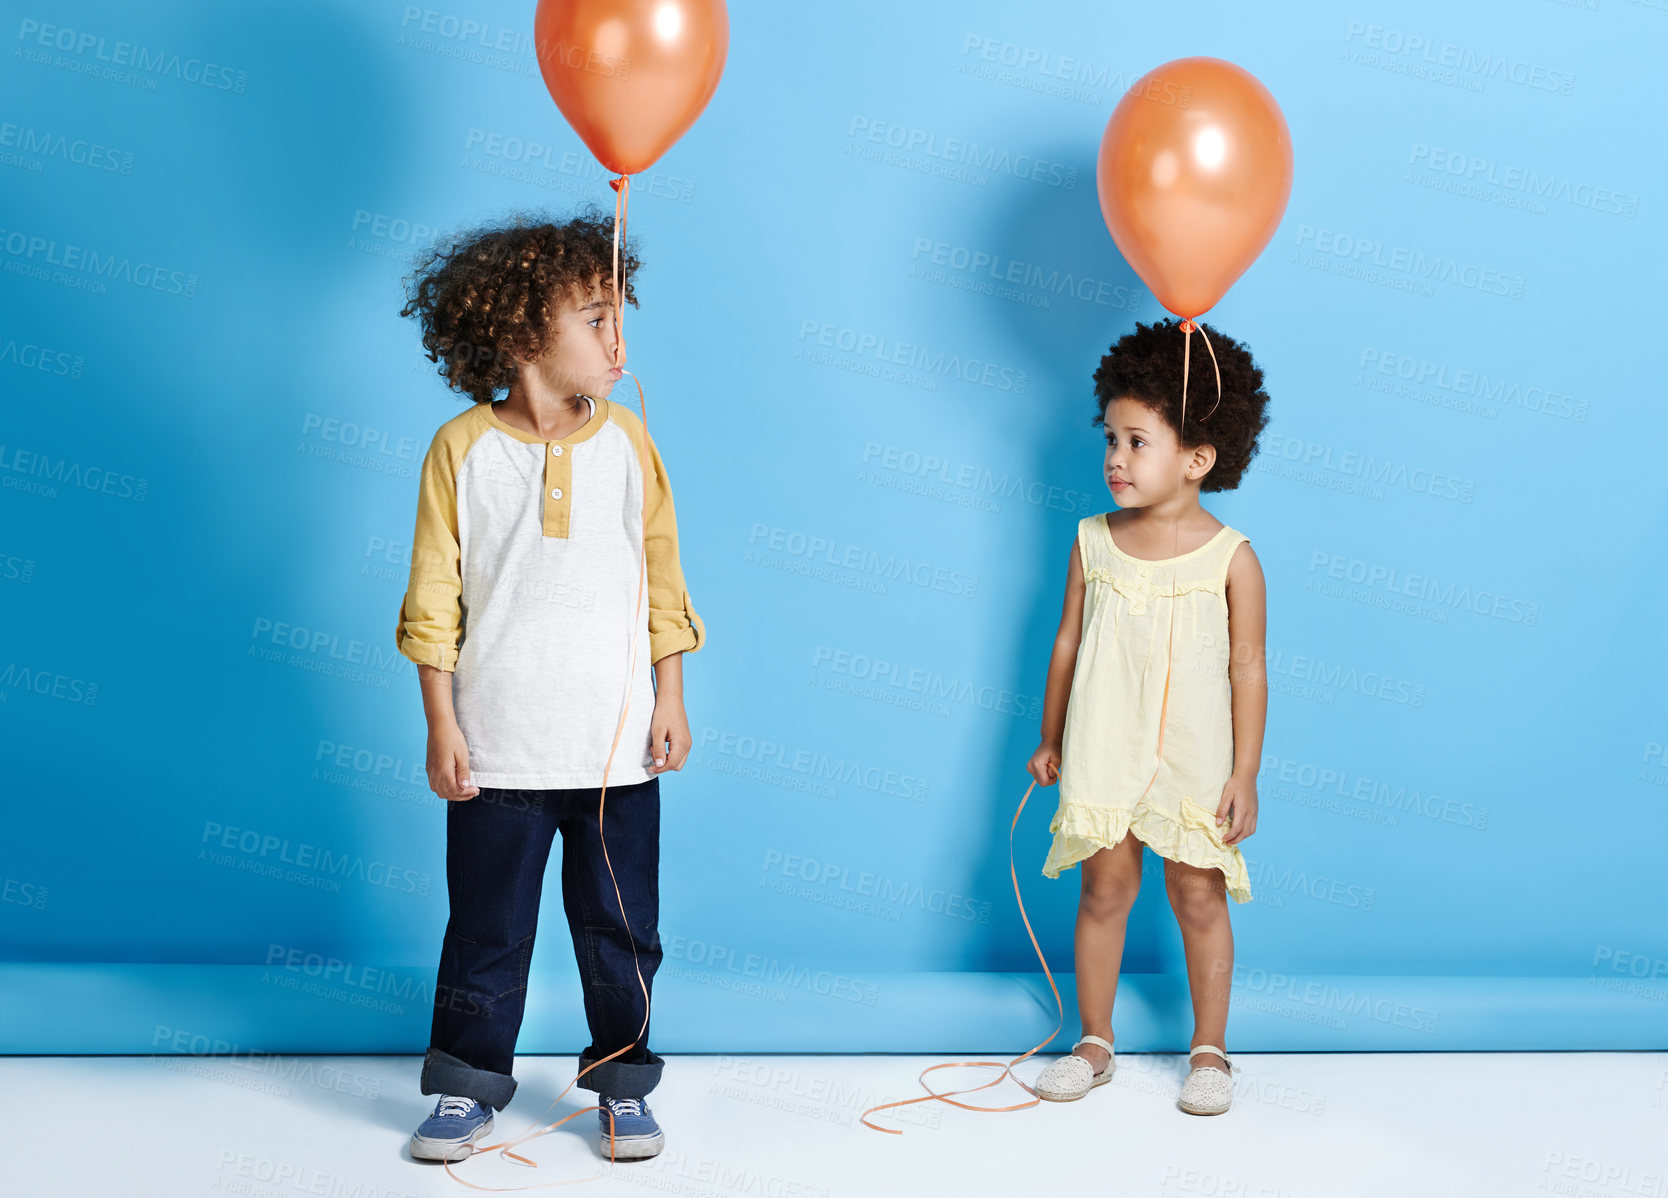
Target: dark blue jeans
{"x":497,"y":844}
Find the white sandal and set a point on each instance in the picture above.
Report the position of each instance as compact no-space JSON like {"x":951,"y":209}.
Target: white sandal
{"x":1071,"y":1077}
{"x":1208,"y":1090}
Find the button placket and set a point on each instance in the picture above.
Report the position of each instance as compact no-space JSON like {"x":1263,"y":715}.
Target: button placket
{"x":558,"y":490}
{"x":1144,"y":591}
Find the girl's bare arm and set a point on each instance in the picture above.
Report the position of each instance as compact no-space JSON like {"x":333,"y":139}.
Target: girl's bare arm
{"x":1247,"y":668}
{"x":1062,"y":665}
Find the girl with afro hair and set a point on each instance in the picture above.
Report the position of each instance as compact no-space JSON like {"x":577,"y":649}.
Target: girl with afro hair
{"x":1157,"y":692}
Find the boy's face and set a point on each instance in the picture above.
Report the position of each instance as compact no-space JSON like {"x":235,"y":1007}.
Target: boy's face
{"x":581,"y":362}
{"x":1145,"y":463}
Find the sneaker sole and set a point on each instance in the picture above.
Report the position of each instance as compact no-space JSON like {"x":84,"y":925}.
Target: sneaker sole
{"x":634,"y":1148}
{"x":425,"y":1149}
{"x":1099,"y":1081}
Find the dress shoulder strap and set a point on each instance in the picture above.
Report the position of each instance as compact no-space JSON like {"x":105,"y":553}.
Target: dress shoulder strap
{"x":1092,"y":536}
{"x":1230,"y":546}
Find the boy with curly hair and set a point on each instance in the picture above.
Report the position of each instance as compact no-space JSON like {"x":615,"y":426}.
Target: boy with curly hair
{"x":537,"y":523}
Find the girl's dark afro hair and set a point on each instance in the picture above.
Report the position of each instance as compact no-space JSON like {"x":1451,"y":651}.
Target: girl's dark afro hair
{"x":489,"y":295}
{"x":1146,"y":365}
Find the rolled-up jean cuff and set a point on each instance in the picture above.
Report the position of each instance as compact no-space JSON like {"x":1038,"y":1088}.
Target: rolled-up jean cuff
{"x":445,"y":1074}
{"x":615,"y":1080}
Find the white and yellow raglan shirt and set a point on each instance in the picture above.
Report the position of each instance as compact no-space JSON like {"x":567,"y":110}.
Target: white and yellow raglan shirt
{"x":525,"y":569}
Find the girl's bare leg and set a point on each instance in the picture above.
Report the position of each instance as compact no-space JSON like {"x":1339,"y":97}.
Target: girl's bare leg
{"x":1111,"y":880}
{"x":1200,"y":900}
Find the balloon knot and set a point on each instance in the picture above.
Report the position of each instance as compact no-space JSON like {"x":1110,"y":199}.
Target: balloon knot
{"x":615,"y":183}
{"x":1187,"y":326}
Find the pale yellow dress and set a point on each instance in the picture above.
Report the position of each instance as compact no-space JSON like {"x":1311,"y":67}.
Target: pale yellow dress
{"x":1110,"y":747}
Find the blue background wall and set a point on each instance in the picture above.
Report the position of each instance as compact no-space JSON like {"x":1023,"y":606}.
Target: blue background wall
{"x":214,"y":416}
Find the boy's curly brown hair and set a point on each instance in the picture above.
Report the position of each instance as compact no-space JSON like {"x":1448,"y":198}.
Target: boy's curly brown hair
{"x":492,"y":293}
{"x":1146,"y":366}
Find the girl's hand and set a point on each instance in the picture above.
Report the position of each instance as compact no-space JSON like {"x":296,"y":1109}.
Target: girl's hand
{"x":669,"y":726}
{"x":1239,"y":804}
{"x":1044,"y":765}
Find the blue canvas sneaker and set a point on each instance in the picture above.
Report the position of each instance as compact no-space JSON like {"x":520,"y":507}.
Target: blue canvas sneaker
{"x":451,"y":1133}
{"x":636,"y":1134}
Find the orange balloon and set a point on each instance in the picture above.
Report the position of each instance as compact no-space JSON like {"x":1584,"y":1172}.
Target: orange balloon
{"x":1194,"y":171}
{"x":631,"y":76}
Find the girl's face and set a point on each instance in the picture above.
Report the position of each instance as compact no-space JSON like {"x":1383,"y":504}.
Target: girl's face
{"x":581,"y":362}
{"x":1145,"y":463}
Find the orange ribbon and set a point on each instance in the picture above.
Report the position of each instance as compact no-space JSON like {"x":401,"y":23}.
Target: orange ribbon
{"x":1007,"y":1068}
{"x":621,"y":186}
{"x":1187,"y":327}
{"x":622,"y":189}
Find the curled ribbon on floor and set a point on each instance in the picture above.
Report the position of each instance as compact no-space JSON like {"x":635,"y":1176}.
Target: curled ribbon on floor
{"x":1007,"y":1069}
{"x":621,"y":186}
{"x":1187,"y":327}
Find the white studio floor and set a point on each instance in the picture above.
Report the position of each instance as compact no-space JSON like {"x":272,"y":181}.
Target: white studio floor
{"x":1303,"y":1125}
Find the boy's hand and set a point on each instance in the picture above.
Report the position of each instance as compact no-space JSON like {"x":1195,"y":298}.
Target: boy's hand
{"x":448,"y":764}
{"x":1044,"y":765}
{"x":669,"y":739}
{"x":1239,"y":804}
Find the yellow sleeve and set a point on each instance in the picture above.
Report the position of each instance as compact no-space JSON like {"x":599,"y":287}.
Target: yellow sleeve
{"x":674,"y":625}
{"x":431,"y":617}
